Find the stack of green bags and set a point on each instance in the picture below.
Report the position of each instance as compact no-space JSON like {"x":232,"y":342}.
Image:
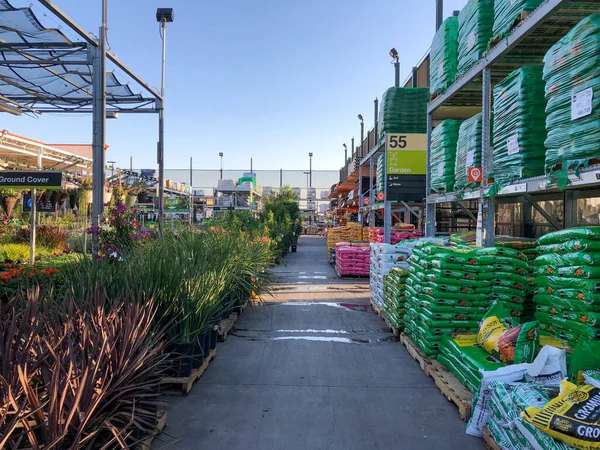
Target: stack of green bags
{"x":474,"y":32}
{"x":381,"y":174}
{"x":394,"y":296}
{"x":444,"y":56}
{"x":567,"y":284}
{"x":403,"y":110}
{"x":444,"y":138}
{"x":508,"y":12}
{"x":519,"y":126}
{"x":468,"y":152}
{"x":572,"y":75}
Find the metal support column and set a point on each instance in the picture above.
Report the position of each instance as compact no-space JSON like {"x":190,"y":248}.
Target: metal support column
{"x":429,"y":207}
{"x":371,"y":194}
{"x":191,"y":197}
{"x":488,"y":205}
{"x":280,"y":178}
{"x":161,"y":135}
{"x":569,"y":209}
{"x":415,"y":78}
{"x":33,"y":197}
{"x":99,"y":126}
{"x":387,"y":205}
{"x":439,"y":13}
{"x":360,"y":194}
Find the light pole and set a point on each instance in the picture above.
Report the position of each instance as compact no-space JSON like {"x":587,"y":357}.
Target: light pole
{"x":163,"y":16}
{"x":360,"y":175}
{"x":221,"y":155}
{"x":310,"y":155}
{"x":345,"y":155}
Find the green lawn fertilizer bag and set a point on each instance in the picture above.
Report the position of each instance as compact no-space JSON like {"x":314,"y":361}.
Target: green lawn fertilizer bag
{"x":569,"y":234}
{"x":444,"y":138}
{"x":403,"y":110}
{"x":444,"y":56}
{"x":468,"y":152}
{"x":586,"y":356}
{"x":572,"y":75}
{"x":508,"y":12}
{"x":592,"y":377}
{"x":519,"y":125}
{"x":474,"y":32}
{"x":497,"y":336}
{"x":573,"y":417}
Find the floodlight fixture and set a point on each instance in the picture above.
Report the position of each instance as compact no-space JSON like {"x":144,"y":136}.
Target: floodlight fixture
{"x":394,"y":54}
{"x":165,"y":15}
{"x":345,"y":146}
{"x":360,"y":117}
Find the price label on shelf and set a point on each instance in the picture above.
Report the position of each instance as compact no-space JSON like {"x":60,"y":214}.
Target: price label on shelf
{"x":581,"y":104}
{"x":513,"y":145}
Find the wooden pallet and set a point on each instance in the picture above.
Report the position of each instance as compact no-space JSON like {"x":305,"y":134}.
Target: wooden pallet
{"x":183,"y":385}
{"x":226,"y":325}
{"x":524,"y":15}
{"x":161,"y":424}
{"x":488,"y":441}
{"x":339,"y":275}
{"x":452,"y":389}
{"x":416,"y":353}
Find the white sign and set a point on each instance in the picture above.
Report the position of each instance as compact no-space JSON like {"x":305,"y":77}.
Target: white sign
{"x":513,"y":145}
{"x":513,"y":189}
{"x":470,"y":159}
{"x":581,"y":104}
{"x":440,"y":169}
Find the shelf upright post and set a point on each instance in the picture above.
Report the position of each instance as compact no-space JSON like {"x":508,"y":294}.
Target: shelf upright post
{"x":429,"y":207}
{"x":387,"y":205}
{"x":488,"y":204}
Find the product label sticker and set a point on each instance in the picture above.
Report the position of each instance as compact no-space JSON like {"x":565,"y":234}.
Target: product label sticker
{"x":512,"y":2}
{"x":581,"y":104}
{"x":440,"y":169}
{"x":513,"y":145}
{"x":441,"y":69}
{"x":471,"y":40}
{"x":470,"y":158}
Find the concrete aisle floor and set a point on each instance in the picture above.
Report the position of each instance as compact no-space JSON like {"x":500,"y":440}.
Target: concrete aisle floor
{"x":314,"y":368}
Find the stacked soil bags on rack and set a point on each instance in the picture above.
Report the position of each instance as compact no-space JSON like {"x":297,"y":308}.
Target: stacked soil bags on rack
{"x":352,"y":259}
{"x":567,"y":284}
{"x":403,"y":110}
{"x":444,"y":139}
{"x":394,"y":292}
{"x":384,"y":258}
{"x":474,"y":32}
{"x":468,"y":152}
{"x":572,"y":75}
{"x":444,"y":56}
{"x":519,"y":126}
{"x":509,"y":12}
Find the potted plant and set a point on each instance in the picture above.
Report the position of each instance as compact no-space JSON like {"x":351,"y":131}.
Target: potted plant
{"x":62,"y":197}
{"x":72,"y":198}
{"x":9,"y":199}
{"x":135,"y":189}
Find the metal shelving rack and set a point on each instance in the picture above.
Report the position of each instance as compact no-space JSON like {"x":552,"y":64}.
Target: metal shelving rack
{"x":472,"y":93}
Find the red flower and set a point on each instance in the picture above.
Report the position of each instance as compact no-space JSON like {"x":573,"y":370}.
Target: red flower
{"x":5,"y":276}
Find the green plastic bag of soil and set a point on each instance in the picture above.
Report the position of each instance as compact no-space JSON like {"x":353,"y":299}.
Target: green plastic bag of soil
{"x":519,"y":126}
{"x":511,"y":344}
{"x":444,"y":138}
{"x":443,"y":280}
{"x":469,"y":310}
{"x":586,"y":356}
{"x":442,"y":323}
{"x":474,"y":32}
{"x":519,"y":285}
{"x":431,"y":316}
{"x":467,"y":268}
{"x":458,"y":371}
{"x":589,"y":272}
{"x":565,"y":304}
{"x":514,"y":294}
{"x":572,"y":75}
{"x":468,"y":152}
{"x":508,"y":12}
{"x":460,"y":275}
{"x":503,"y":251}
{"x":474,"y":301}
{"x":554,"y":283}
{"x":568,"y":259}
{"x":577,"y":329}
{"x":403,"y":110}
{"x":444,"y":56}
{"x":575,"y":245}
{"x":591,"y":298}
{"x":437,"y":290}
{"x":569,"y":234}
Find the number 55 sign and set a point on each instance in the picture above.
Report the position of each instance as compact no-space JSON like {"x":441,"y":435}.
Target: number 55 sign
{"x":406,"y":154}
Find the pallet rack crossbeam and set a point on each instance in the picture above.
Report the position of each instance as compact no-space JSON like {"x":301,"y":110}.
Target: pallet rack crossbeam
{"x":466,"y":210}
{"x":541,"y":210}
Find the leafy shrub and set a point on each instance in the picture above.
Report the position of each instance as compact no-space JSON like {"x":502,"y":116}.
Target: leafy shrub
{"x":20,"y":252}
{"x":46,"y":235}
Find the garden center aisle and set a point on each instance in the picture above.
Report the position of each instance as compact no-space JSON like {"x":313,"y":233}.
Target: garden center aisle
{"x":314,"y":368}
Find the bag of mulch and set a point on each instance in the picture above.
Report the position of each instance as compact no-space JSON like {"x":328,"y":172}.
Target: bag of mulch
{"x":554,"y":283}
{"x":568,"y":259}
{"x":592,"y":377}
{"x":580,"y":272}
{"x":499,"y":337}
{"x":570,"y":234}
{"x":576,"y":245}
{"x":573,"y":417}
{"x":556,"y":303}
{"x":586,"y":356}
{"x":591,"y":298}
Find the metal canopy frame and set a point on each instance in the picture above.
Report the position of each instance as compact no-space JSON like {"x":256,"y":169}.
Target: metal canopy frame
{"x":43,"y":71}
{"x":527,"y":44}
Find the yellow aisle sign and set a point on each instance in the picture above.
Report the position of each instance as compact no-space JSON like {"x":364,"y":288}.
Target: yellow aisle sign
{"x":406,"y":154}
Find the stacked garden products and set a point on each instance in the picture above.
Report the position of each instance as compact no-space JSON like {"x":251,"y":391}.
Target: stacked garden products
{"x":468,"y":152}
{"x":350,"y":233}
{"x":398,"y":233}
{"x":475,"y":23}
{"x":352,"y":259}
{"x":444,"y":139}
{"x":444,"y":56}
{"x":403,"y":110}
{"x":567,"y":292}
{"x":519,"y":126}
{"x":572,"y":76}
{"x":384,"y":258}
{"x":394,"y":292}
{"x":508,"y":12}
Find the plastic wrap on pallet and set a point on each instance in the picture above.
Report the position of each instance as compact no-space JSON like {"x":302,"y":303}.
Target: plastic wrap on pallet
{"x":468,"y":151}
{"x":403,"y":110}
{"x":508,"y":12}
{"x":475,"y":23}
{"x":380,"y":181}
{"x":444,"y":138}
{"x":572,"y":75}
{"x":444,"y":56}
{"x":519,"y":126}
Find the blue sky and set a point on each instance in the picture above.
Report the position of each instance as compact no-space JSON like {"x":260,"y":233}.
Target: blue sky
{"x":268,"y":79}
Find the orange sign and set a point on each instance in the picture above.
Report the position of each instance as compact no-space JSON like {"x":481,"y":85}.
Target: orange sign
{"x":380,"y":196}
{"x":366,"y":201}
{"x":475,"y":175}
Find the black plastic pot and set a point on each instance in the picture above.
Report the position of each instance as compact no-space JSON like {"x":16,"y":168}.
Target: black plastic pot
{"x":206,"y":343}
{"x":198,"y":353}
{"x":214,"y":335}
{"x":72,"y":200}
{"x":181,"y":358}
